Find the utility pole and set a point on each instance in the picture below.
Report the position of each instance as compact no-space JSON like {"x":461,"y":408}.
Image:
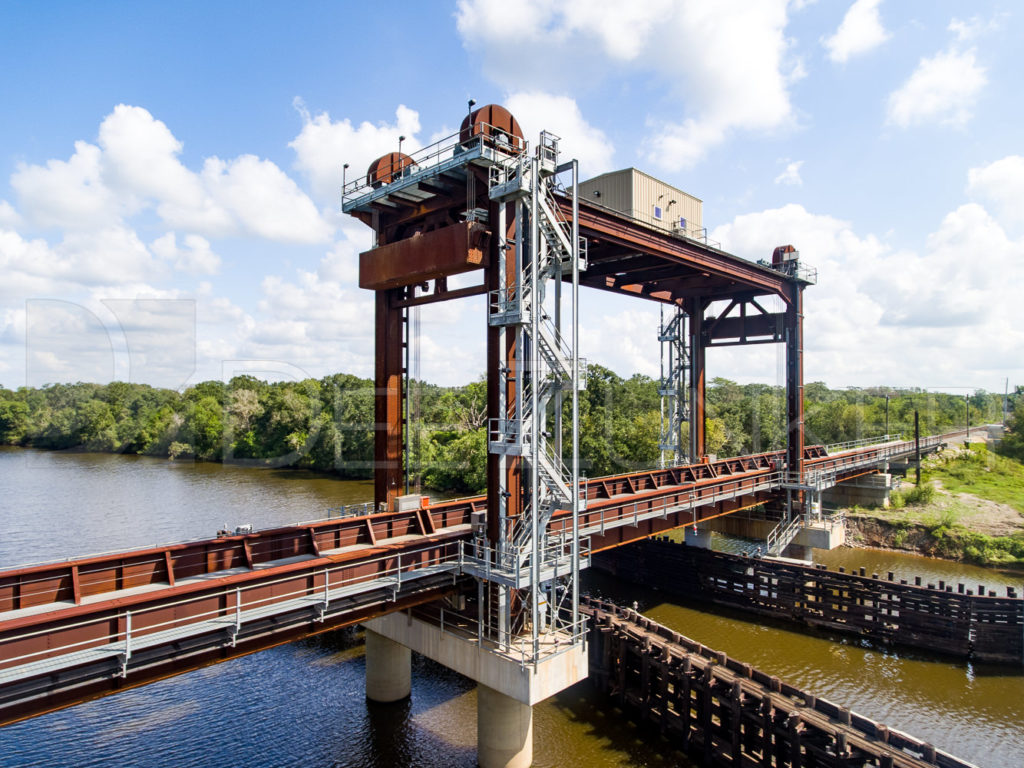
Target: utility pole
{"x":886,"y":414}
{"x":917,"y":447}
{"x":967,"y":402}
{"x":1006,"y":398}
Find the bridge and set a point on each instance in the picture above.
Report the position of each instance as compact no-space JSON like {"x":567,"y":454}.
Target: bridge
{"x":75,"y":629}
{"x":488,"y":586}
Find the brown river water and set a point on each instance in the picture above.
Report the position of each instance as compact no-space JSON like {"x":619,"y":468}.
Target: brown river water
{"x":303,"y":704}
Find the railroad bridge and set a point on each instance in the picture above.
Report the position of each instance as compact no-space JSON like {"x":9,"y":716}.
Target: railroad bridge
{"x":487,"y":585}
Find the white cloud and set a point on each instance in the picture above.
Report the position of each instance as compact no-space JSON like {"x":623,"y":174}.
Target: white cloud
{"x":791,"y":175}
{"x":324,"y":146}
{"x":33,"y":268}
{"x":724,"y":66}
{"x":68,"y":194}
{"x":942,"y":89}
{"x":560,"y":115}
{"x":136,"y":165}
{"x":195,"y":257}
{"x":1002,"y":182}
{"x":8,"y":216}
{"x":919,"y":318}
{"x":975,"y":27}
{"x":860,"y":31}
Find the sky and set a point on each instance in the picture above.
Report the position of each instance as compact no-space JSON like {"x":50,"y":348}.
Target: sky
{"x":170,"y":174}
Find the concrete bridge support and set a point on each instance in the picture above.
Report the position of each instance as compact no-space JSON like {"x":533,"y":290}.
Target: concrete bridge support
{"x":504,"y":730}
{"x":863,"y":491}
{"x":506,"y":688}
{"x":388,"y":669}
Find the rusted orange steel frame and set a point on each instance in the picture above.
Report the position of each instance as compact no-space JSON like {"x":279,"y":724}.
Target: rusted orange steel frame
{"x":90,"y":681}
{"x":89,"y":578}
{"x":362,"y":548}
{"x":736,"y":273}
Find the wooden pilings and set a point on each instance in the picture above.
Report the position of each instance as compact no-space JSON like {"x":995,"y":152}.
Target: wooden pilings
{"x":725,"y":713}
{"x":960,"y":622}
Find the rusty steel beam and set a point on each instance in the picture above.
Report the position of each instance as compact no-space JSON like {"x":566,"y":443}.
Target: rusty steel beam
{"x":70,"y":581}
{"x":49,"y":694}
{"x":424,"y":256}
{"x":794,"y":329}
{"x":697,"y":343}
{"x":85,"y":600}
{"x":722,"y":268}
{"x":387,"y":401}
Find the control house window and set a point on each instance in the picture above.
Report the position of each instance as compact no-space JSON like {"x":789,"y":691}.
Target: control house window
{"x":657,"y":212}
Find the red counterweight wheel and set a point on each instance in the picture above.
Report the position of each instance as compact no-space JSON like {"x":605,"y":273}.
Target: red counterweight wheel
{"x":494,"y":122}
{"x":387,"y":168}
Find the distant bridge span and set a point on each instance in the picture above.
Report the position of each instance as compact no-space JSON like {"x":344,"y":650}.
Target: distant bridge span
{"x":83,"y":628}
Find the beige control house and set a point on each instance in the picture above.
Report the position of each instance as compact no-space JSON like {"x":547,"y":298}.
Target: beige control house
{"x":647,"y":199}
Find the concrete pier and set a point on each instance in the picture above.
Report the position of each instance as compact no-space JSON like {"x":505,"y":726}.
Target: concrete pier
{"x":388,"y":669}
{"x":504,"y":730}
{"x":864,"y":491}
{"x":507,"y":688}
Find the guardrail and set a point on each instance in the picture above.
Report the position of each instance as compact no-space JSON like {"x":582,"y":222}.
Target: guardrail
{"x":232,"y":607}
{"x":858,"y":443}
{"x":447,"y":152}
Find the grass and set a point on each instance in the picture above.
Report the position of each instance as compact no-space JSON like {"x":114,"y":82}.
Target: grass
{"x":942,"y":517}
{"x":980,"y":473}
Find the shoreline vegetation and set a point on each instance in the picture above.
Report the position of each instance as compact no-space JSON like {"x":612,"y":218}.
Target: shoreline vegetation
{"x":969,"y":508}
{"x":970,"y":505}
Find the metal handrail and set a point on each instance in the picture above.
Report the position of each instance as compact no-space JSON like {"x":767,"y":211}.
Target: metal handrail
{"x":428,"y":158}
{"x":857,"y":443}
{"x":452,"y":556}
{"x":565,"y":635}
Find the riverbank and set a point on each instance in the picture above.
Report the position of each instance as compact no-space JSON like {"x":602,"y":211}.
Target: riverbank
{"x":969,"y":507}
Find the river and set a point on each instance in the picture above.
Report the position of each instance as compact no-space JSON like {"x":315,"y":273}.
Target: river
{"x":303,"y":704}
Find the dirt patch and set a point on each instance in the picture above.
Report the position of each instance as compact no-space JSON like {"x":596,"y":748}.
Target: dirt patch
{"x":973,"y":513}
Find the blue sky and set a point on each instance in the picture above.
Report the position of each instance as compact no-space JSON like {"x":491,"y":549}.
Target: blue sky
{"x":169,"y":173}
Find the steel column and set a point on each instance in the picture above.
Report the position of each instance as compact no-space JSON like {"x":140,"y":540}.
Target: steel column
{"x":387,"y":405}
{"x":794,"y":324}
{"x":698,"y":444}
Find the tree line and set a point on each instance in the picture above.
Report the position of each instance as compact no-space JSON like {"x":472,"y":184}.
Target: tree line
{"x":327,"y":424}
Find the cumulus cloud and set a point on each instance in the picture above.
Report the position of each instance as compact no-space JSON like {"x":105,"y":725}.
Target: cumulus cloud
{"x":963,"y":313}
{"x":791,"y":175}
{"x":323,"y":146}
{"x":942,"y":89}
{"x":136,"y":165}
{"x":68,"y":194}
{"x":537,"y":111}
{"x":975,"y":27}
{"x":1001,"y":182}
{"x":8,"y":216}
{"x":860,"y":31}
{"x":194,"y":256}
{"x":727,"y":64}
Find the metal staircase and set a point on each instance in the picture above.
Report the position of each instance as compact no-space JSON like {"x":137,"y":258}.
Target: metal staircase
{"x":545,"y":368}
{"x":672,"y":387}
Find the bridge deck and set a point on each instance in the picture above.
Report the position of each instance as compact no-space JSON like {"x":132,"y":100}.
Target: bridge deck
{"x":65,"y":625}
